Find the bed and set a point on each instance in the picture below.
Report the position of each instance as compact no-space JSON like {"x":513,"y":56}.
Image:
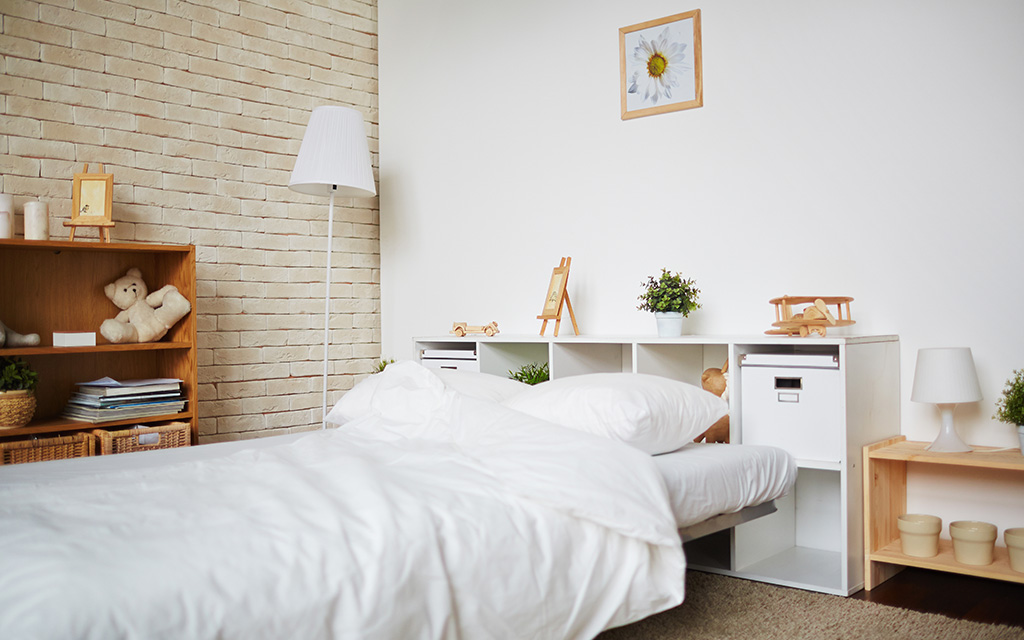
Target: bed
{"x":443,"y":507}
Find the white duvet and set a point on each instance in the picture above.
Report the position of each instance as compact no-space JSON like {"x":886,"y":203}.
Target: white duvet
{"x":445,"y":517}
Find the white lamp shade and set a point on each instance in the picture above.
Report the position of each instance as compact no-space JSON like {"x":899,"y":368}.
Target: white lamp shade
{"x":945,"y":376}
{"x":333,"y":154}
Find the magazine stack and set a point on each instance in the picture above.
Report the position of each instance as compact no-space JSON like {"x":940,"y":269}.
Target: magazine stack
{"x":106,"y":399}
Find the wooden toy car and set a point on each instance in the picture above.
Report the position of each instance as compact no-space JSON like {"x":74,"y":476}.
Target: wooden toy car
{"x":813,"y":318}
{"x":461,"y":329}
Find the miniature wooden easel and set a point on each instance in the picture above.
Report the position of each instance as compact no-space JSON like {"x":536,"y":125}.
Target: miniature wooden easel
{"x":557,"y":295}
{"x":92,"y":200}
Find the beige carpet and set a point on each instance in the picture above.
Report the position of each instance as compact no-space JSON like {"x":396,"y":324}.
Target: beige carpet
{"x":721,"y":607}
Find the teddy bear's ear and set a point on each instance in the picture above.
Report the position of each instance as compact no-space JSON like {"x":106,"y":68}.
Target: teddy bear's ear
{"x":110,"y":290}
{"x":134,"y":271}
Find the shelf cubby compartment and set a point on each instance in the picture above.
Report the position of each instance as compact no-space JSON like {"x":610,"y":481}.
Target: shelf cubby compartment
{"x":684,"y":362}
{"x":800,"y":545}
{"x":576,"y":358}
{"x":498,"y":358}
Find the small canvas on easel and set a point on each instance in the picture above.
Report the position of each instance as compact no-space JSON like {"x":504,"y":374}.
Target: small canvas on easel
{"x":557,"y":296}
{"x":92,"y":202}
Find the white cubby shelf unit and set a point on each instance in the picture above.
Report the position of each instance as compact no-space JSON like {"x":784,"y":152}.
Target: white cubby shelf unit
{"x":815,"y":540}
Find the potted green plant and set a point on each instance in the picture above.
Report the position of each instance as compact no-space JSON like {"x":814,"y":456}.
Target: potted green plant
{"x":1010,"y":406}
{"x":532,"y":373}
{"x":17,"y":392}
{"x":671,"y":298}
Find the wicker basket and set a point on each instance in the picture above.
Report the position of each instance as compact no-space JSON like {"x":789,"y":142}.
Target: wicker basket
{"x":79,"y":445}
{"x":16,"y":408}
{"x":164,"y":436}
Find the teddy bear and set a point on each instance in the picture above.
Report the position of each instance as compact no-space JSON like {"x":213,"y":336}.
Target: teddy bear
{"x":716,"y":381}
{"x":11,"y":338}
{"x":145,"y":317}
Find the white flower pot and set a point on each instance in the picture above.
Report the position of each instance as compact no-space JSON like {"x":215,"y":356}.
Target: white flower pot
{"x":973,"y":541}
{"x":1020,"y":434}
{"x":919,"y":534}
{"x":1015,"y":547}
{"x":670,"y":324}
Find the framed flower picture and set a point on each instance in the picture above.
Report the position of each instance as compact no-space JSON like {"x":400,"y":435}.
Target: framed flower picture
{"x":660,"y":65}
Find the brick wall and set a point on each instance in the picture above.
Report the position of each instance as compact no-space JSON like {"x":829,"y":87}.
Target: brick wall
{"x":198,"y":109}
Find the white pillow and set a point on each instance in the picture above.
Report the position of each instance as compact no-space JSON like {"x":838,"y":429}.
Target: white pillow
{"x":403,"y":392}
{"x":652,"y":413}
{"x":481,"y":385}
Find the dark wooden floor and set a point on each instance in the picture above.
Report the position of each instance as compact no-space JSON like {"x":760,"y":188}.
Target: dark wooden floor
{"x":949,"y":594}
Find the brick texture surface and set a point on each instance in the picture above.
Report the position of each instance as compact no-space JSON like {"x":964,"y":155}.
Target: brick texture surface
{"x":198,"y":109}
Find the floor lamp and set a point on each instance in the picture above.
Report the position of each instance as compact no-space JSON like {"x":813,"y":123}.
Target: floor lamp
{"x":334,"y":160}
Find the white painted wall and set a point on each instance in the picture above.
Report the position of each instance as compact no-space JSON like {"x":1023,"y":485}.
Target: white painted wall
{"x":870,"y":149}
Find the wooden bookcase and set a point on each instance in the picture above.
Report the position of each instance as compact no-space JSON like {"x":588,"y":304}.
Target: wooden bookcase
{"x":885,"y":500}
{"x":53,"y":286}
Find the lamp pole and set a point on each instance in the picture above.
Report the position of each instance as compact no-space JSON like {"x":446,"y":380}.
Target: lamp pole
{"x":327,"y":298}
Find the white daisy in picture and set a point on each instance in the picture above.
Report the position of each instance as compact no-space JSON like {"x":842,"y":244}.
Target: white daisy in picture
{"x":660,"y":66}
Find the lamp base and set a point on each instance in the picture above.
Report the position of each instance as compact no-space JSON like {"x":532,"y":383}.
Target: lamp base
{"x":948,"y":440}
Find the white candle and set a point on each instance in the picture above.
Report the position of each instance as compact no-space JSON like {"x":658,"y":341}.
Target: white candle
{"x":6,"y":215}
{"x":37,"y":221}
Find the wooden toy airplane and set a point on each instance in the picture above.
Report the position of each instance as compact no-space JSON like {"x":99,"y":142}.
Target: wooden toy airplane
{"x":813,"y":319}
{"x":461,"y":329}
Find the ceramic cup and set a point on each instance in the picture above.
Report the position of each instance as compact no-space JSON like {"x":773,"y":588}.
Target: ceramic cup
{"x":919,"y":534}
{"x":1015,"y":546}
{"x":973,"y":541}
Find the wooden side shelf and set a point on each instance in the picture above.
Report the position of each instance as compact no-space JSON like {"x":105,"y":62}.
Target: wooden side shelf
{"x":885,"y":499}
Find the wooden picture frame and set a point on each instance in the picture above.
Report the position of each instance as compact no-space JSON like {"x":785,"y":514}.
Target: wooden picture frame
{"x":92,"y":202}
{"x":557,"y":297}
{"x":556,"y":289}
{"x":660,"y":65}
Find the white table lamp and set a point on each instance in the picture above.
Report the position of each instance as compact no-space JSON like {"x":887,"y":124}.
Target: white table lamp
{"x":946,"y":377}
{"x":334,"y":160}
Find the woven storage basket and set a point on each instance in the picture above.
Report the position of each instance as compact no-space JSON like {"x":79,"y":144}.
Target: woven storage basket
{"x":164,"y":436}
{"x":79,"y":445}
{"x":16,"y":408}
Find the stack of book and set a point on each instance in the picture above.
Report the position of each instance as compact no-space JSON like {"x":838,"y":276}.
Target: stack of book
{"x":107,"y":399}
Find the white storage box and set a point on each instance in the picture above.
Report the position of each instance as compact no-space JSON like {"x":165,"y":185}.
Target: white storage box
{"x":793,"y":401}
{"x":462,"y":359}
{"x":74,"y":339}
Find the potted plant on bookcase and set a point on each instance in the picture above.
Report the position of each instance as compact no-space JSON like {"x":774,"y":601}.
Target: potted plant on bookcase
{"x":17,"y":392}
{"x":671,"y":298}
{"x":1010,"y":407}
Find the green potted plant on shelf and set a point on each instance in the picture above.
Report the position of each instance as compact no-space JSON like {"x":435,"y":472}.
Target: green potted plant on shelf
{"x":671,"y":298}
{"x":1010,"y":406}
{"x":382,"y":364}
{"x":17,"y":392}
{"x":532,"y":373}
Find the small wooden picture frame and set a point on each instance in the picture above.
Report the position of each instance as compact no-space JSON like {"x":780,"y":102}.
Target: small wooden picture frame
{"x":92,"y":202}
{"x":557,"y":296}
{"x":556,"y":289}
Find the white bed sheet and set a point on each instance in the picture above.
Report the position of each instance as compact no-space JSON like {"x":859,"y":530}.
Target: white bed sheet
{"x":706,"y":479}
{"x":448,"y":517}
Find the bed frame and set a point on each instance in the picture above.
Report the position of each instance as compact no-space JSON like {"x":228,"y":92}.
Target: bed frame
{"x":726,"y":521}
